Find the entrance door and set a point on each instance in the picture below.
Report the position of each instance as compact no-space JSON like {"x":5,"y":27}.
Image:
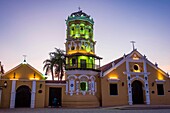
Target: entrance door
{"x":55,"y":94}
{"x":23,"y":96}
{"x":137,"y":92}
{"x":83,"y":64}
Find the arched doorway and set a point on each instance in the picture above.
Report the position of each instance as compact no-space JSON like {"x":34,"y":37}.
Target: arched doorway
{"x":23,"y":96}
{"x":137,"y":92}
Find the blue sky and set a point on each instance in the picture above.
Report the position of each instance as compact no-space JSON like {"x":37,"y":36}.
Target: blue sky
{"x":36,"y":27}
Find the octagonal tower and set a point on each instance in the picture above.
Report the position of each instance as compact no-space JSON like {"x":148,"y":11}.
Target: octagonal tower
{"x":82,"y":65}
{"x":80,"y":44}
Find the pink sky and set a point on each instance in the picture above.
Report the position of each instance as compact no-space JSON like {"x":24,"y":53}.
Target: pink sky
{"x":36,"y":27}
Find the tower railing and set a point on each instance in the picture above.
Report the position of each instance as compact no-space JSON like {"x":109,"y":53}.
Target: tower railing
{"x":82,"y":66}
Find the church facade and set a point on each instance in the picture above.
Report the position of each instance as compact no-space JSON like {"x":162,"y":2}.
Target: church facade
{"x":129,"y":80}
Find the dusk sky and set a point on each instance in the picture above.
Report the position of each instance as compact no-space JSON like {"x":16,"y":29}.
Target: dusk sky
{"x":35,"y":27}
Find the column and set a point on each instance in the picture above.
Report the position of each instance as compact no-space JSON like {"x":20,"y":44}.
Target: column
{"x":33,"y":94}
{"x":146,"y":84}
{"x":66,"y":87}
{"x":129,"y":84}
{"x":13,"y":93}
{"x":0,"y":96}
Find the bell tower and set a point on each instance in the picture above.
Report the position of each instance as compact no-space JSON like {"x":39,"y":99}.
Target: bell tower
{"x":80,"y":44}
{"x":82,"y":64}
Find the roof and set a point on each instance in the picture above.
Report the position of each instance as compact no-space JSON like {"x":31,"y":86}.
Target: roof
{"x":112,"y":65}
{"x":80,"y":13}
{"x":21,"y":65}
{"x":109,"y":65}
{"x":80,"y":54}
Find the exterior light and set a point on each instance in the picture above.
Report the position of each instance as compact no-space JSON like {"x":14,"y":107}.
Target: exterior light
{"x":14,"y":76}
{"x":5,"y":84}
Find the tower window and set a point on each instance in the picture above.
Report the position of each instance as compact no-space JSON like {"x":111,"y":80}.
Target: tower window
{"x":73,"y":61}
{"x":84,"y":86}
{"x":72,"y":29}
{"x":113,"y":89}
{"x":160,"y":89}
{"x":72,"y":48}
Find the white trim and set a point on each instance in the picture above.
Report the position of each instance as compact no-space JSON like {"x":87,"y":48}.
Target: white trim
{"x":114,"y":67}
{"x":81,"y":72}
{"x":137,"y":78}
{"x":137,"y":73}
{"x":13,"y":93}
{"x":33,"y":94}
{"x":113,"y":80}
{"x":83,"y":76}
{"x":54,"y":84}
{"x":66,"y":87}
{"x":157,"y":68}
{"x":75,"y":77}
{"x":92,"y":77}
{"x":159,"y":81}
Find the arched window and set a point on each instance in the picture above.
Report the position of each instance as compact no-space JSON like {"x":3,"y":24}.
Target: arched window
{"x":83,"y":86}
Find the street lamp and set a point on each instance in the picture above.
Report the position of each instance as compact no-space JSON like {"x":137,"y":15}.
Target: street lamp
{"x":5,"y":84}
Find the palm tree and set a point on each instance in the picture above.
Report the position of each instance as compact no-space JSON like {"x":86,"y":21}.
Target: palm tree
{"x":55,"y":64}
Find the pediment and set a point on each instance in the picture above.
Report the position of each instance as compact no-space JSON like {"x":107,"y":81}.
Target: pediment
{"x":23,"y":72}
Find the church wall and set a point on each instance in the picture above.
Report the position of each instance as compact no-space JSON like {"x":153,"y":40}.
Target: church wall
{"x":122,"y":97}
{"x":40,"y":96}
{"x":47,"y":87}
{"x":156,"y":99}
{"x":6,"y":94}
{"x":82,"y":100}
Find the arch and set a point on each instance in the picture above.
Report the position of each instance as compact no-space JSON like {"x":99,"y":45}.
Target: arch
{"x":92,"y":77}
{"x":23,"y":96}
{"x":72,"y":76}
{"x":83,"y":76}
{"x":137,"y":78}
{"x":137,"y":92}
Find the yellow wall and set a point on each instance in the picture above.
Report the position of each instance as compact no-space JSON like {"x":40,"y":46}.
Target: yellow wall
{"x":154,"y":97}
{"x":121,"y":98}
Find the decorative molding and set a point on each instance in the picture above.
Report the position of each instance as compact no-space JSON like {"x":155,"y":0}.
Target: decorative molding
{"x":113,"y":80}
{"x":83,"y":76}
{"x":81,"y":72}
{"x":137,"y":73}
{"x":159,"y":81}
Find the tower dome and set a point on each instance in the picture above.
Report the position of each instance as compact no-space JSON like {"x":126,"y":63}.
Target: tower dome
{"x":79,"y":25}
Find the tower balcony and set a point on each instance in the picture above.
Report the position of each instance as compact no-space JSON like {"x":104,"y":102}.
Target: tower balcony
{"x":80,"y":61}
{"x":83,"y":66}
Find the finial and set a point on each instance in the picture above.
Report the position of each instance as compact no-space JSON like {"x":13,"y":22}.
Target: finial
{"x":24,"y":57}
{"x":133,"y":44}
{"x":79,"y":8}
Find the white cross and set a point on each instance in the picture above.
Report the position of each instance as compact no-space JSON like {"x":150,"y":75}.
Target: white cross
{"x":79,"y":8}
{"x":133,"y":44}
{"x":24,"y":57}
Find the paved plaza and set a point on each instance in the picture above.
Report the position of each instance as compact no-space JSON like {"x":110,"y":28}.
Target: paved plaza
{"x":94,"y":110}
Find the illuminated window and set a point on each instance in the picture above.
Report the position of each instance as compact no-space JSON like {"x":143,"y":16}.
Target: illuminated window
{"x":72,"y":48}
{"x":83,"y":86}
{"x":113,"y":89}
{"x":160,"y":89}
{"x":74,"y":61}
{"x":136,"y":68}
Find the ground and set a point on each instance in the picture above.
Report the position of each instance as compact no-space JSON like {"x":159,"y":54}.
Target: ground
{"x":94,"y":110}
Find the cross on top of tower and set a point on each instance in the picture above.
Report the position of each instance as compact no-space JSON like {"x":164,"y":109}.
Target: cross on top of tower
{"x":133,"y":44}
{"x":79,"y":8}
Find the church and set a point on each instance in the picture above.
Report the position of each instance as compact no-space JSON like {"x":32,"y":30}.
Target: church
{"x":129,"y":80}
